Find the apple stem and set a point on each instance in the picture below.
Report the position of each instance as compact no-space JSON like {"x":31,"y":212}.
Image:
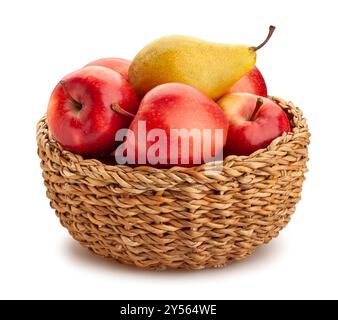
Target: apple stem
{"x":271,"y":30}
{"x":117,"y":108}
{"x":259,"y":103}
{"x":76,"y":103}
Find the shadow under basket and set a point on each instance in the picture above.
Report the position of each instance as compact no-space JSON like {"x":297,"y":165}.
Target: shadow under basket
{"x":184,"y":218}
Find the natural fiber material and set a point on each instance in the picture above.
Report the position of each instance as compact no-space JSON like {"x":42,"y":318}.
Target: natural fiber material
{"x":178,"y":217}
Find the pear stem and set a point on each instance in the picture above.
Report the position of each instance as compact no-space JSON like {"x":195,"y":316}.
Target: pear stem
{"x":271,"y":30}
{"x":117,"y":108}
{"x":259,"y":103}
{"x":77,"y":104}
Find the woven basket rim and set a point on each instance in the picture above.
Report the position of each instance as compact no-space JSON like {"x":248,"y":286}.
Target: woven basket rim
{"x":298,"y":123}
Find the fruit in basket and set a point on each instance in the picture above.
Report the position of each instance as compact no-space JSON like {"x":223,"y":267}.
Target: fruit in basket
{"x":176,"y":125}
{"x":88,"y":107}
{"x":252,"y":82}
{"x":210,"y":67}
{"x":253,"y":122}
{"x":117,"y":64}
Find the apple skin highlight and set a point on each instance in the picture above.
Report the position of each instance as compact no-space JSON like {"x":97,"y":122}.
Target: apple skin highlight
{"x":253,"y":82}
{"x":176,"y":106}
{"x":117,"y":64}
{"x":252,"y":128}
{"x":80,"y":114}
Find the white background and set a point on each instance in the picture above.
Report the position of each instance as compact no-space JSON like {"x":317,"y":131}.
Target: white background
{"x":41,"y":41}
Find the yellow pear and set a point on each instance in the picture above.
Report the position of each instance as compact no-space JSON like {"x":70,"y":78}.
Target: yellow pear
{"x":210,"y":67}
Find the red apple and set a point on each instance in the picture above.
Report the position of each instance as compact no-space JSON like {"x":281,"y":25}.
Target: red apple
{"x":176,"y":125}
{"x":117,"y":64}
{"x":88,"y":107}
{"x":253,"y":122}
{"x":253,"y":82}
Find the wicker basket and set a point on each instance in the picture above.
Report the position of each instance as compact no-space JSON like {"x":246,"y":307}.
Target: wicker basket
{"x":178,"y":217}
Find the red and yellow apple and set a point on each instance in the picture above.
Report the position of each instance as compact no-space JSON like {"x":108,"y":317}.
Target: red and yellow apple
{"x":254,"y":122}
{"x":253,"y":82}
{"x":117,"y":64}
{"x":193,"y":127}
{"x":88,"y":107}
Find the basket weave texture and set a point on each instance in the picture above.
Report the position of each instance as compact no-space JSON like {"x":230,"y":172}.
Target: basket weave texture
{"x":179,"y":217}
